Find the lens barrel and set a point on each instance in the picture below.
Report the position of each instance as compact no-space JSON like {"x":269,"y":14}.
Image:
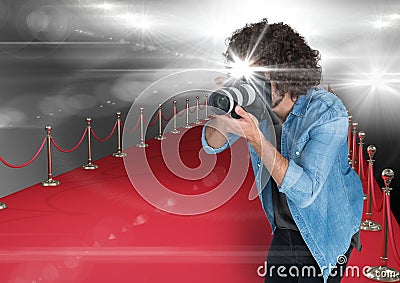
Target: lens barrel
{"x":225,"y":99}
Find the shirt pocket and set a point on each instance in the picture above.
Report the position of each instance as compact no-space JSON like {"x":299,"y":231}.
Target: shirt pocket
{"x":297,"y":148}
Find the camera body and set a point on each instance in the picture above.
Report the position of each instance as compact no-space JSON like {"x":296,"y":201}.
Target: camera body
{"x":253,"y":97}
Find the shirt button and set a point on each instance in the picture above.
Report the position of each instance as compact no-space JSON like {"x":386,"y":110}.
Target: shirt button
{"x":297,"y":153}
{"x":258,"y":164}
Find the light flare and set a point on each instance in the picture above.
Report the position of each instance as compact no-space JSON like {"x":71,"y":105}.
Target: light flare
{"x":105,"y":6}
{"x":240,"y":68}
{"x":380,"y":24}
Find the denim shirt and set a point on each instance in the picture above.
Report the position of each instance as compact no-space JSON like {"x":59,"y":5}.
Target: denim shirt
{"x":323,"y":192}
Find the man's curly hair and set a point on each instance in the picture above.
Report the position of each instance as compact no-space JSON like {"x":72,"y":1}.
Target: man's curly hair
{"x":295,"y":66}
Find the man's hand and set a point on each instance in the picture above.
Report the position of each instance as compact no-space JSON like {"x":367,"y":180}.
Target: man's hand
{"x":246,"y":127}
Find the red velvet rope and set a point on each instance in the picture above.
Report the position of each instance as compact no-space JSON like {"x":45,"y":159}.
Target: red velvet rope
{"x":373,"y":191}
{"x":133,"y":129}
{"x":26,"y":163}
{"x":204,"y":105}
{"x":355,"y":152}
{"x":391,"y":235}
{"x":194,"y":109}
{"x":154,"y":122}
{"x":108,"y":137}
{"x":169,"y":117}
{"x":182,"y":113}
{"x":72,"y":149}
{"x":361,"y":163}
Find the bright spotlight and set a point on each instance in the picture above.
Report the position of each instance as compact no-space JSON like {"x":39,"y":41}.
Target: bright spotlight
{"x":240,"y":68}
{"x":394,"y":17}
{"x":143,"y":24}
{"x":380,"y":24}
{"x":127,"y":18}
{"x":136,"y":21}
{"x":376,"y":79}
{"x":105,"y":6}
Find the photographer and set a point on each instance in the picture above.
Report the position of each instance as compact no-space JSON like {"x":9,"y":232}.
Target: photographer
{"x":314,"y":199}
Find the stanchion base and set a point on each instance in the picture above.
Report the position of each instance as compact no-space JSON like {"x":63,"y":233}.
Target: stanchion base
{"x":175,"y":131}
{"x":160,"y":138}
{"x":369,"y":225}
{"x":142,"y":144}
{"x":382,"y":273}
{"x":188,"y":127}
{"x":90,"y":166}
{"x":207,"y":118}
{"x":198,"y":123}
{"x":50,"y":183}
{"x":3,"y":205}
{"x":365,"y":197}
{"x":119,"y":154}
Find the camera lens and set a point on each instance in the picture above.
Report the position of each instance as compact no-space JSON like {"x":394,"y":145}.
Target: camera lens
{"x":222,"y":102}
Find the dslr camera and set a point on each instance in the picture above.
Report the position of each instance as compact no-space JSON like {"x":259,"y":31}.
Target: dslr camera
{"x":254,"y":96}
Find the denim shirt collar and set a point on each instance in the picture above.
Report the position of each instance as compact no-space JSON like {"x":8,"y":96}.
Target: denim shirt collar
{"x":301,"y":105}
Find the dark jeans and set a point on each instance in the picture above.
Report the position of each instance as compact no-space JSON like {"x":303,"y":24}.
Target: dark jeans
{"x":290,"y":260}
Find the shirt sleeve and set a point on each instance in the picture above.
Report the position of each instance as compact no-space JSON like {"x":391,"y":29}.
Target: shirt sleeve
{"x":307,"y":174}
{"x":210,"y":150}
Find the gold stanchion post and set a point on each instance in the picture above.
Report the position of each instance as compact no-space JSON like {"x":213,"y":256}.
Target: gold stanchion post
{"x":175,"y":131}
{"x":90,"y":165}
{"x":198,"y":122}
{"x":354,"y":147}
{"x":384,"y":273}
{"x":206,"y":108}
{"x":50,"y":182}
{"x":142,"y":143}
{"x":361,"y":136}
{"x":368,"y":224}
{"x":187,"y":126}
{"x":160,"y":136}
{"x":119,"y":152}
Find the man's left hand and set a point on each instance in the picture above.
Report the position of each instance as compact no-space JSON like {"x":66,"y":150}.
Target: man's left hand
{"x":246,"y":127}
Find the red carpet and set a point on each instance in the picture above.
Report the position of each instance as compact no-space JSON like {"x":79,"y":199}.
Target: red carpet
{"x":95,"y":227}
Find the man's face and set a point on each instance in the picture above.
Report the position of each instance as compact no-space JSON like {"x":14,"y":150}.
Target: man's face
{"x":276,"y":99}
